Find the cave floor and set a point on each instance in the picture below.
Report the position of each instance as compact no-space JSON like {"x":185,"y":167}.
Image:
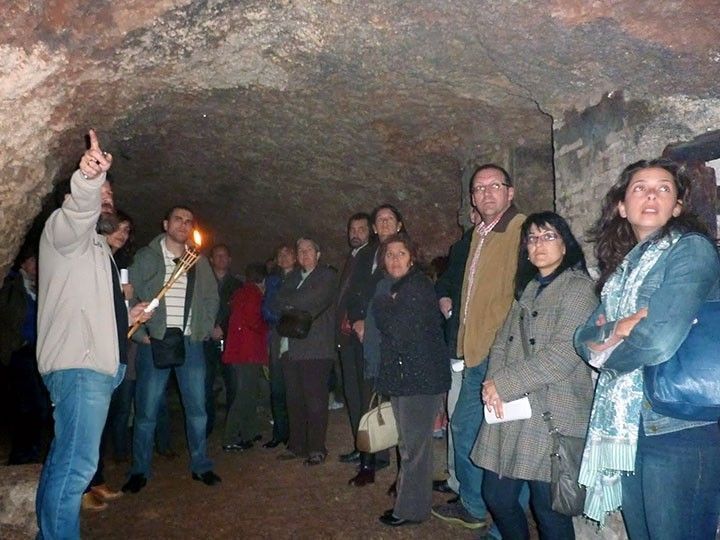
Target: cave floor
{"x":259,"y":497}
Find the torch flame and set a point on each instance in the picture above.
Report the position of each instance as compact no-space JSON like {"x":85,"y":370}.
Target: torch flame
{"x":197,"y":238}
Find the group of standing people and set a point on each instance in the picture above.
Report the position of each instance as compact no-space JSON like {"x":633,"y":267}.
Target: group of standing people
{"x":657,"y":265}
{"x":527,"y":320}
{"x":391,"y":342}
{"x":514,"y":315}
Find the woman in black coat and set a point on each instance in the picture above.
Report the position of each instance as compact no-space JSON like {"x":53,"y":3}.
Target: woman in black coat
{"x":414,"y":372}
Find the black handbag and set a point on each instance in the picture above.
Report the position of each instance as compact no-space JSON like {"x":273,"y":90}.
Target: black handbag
{"x":294,"y":323}
{"x":169,"y":351}
{"x":568,"y":496}
{"x":687,"y":386}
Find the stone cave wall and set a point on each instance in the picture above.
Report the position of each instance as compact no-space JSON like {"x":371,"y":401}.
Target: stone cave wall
{"x":594,"y":145}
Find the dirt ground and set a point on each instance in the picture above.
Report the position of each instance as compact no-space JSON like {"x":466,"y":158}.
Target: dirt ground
{"x":259,"y":497}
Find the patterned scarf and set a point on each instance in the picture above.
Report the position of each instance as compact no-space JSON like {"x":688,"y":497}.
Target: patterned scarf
{"x":482,"y":230}
{"x":615,"y":418}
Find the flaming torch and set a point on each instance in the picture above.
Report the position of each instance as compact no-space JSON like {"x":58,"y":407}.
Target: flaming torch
{"x":185,"y":263}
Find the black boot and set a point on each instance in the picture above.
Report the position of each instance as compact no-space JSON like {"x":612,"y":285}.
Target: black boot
{"x":366,"y":474}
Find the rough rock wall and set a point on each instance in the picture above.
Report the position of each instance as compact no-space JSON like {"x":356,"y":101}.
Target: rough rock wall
{"x":271,"y":118}
{"x":594,"y":145}
{"x":277,"y":116}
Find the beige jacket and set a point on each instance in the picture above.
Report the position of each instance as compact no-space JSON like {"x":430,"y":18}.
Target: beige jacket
{"x":492,"y":294}
{"x":76,"y":314}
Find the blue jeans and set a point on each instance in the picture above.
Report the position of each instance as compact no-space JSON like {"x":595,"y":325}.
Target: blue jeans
{"x":149,"y":391}
{"x":81,"y":398}
{"x":504,"y":499}
{"x":465,"y":424}
{"x":674,"y":492}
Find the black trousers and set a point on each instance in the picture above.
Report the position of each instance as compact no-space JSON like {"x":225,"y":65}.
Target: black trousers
{"x":278,"y":402}
{"x":307,"y":403}
{"x":213,"y":354}
{"x":357,"y":390}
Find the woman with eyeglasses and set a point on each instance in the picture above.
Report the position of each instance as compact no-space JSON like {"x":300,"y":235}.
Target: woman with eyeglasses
{"x":533,"y":356}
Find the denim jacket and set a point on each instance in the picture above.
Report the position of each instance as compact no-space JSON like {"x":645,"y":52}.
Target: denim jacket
{"x":673,"y":291}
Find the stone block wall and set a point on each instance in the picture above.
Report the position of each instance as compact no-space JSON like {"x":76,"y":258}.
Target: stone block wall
{"x":594,"y":145}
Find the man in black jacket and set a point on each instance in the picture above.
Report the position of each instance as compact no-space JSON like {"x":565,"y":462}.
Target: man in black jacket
{"x":350,"y":348}
{"x":386,"y":220}
{"x":449,"y":289}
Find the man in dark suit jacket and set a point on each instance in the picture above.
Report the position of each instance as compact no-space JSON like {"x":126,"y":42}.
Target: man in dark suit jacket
{"x":350,"y":348}
{"x":306,"y":363}
{"x":386,"y":220}
{"x":449,"y":291}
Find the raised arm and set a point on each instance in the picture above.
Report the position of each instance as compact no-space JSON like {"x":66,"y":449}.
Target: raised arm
{"x":73,"y":224}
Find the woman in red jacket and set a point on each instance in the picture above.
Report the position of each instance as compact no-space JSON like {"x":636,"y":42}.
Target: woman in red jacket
{"x":245,"y":353}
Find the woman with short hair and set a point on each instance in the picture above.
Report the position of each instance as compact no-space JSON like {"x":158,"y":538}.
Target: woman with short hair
{"x":245,"y":354}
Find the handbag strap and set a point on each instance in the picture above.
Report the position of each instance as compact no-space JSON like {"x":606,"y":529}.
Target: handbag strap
{"x":377,"y":398}
{"x":374,"y":398}
{"x":188,"y":295}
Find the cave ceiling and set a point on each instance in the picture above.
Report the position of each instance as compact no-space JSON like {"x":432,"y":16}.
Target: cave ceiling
{"x":279,"y":118}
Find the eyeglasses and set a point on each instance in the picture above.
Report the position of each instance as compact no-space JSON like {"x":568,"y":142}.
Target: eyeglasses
{"x":549,"y":236}
{"x":492,"y":188}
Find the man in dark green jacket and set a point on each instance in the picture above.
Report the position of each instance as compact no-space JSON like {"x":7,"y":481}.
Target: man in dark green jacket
{"x":189,"y":307}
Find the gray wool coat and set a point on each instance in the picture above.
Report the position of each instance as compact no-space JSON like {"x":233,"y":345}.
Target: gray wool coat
{"x":555,"y":378}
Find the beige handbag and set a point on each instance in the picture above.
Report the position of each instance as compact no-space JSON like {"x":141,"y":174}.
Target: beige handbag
{"x":377,"y":430}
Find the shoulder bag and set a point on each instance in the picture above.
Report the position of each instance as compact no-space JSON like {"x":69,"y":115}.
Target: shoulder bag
{"x":294,"y":323}
{"x":568,"y":496}
{"x":169,"y":352}
{"x":687,"y":386}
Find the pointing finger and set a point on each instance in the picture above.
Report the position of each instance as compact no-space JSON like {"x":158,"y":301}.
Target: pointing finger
{"x":94,"y":144}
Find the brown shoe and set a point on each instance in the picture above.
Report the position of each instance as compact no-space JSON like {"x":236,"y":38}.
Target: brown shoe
{"x":104,"y":493}
{"x":91,"y":503}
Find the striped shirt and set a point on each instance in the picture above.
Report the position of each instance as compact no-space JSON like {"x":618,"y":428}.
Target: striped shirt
{"x":175,"y":296}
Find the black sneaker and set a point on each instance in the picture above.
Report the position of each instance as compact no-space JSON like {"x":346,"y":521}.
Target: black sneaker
{"x":208,"y":478}
{"x":135,"y":483}
{"x":457,"y":513}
